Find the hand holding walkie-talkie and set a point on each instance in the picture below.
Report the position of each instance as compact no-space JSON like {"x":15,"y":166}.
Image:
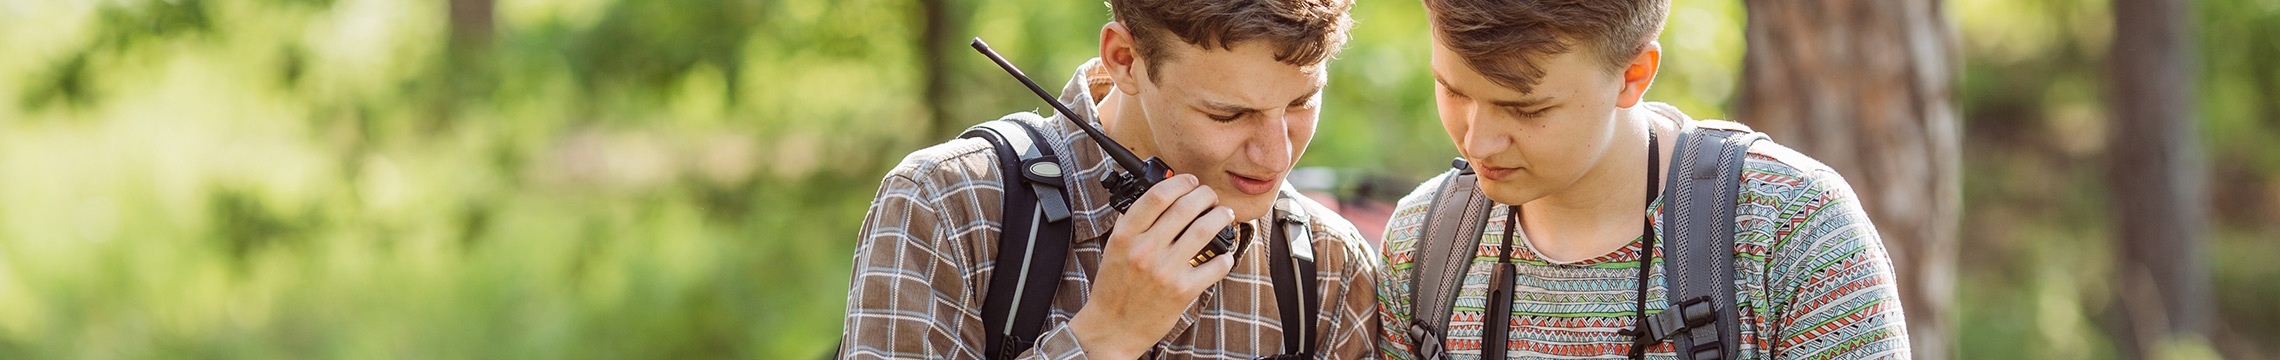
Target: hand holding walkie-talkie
{"x":1126,"y":187}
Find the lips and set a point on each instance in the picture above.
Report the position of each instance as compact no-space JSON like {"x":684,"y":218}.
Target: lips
{"x":1251,"y":185}
{"x":1495,"y":173}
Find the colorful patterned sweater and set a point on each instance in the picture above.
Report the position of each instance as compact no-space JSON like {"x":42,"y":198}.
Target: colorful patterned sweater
{"x":1813,"y":281}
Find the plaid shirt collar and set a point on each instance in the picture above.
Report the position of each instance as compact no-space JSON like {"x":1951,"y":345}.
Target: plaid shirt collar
{"x":1088,"y":198}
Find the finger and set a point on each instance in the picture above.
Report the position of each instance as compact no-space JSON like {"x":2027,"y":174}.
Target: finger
{"x":1175,"y":220}
{"x":1201,"y":233}
{"x":1210,"y":272}
{"x":1144,"y":213}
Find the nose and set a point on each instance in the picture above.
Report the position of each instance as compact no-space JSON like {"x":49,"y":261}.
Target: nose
{"x":1481,"y":140}
{"x":1270,"y":145}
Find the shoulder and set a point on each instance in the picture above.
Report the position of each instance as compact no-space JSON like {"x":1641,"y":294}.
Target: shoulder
{"x":1816,"y":218}
{"x":950,"y":166}
{"x":1422,"y":197}
{"x":1828,"y":269}
{"x":1784,"y":179}
{"x":1775,"y":175}
{"x":954,"y":184}
{"x":1779,"y":167}
{"x":1407,"y":225}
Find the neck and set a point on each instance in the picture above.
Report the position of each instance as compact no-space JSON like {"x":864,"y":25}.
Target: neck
{"x":1605,"y":208}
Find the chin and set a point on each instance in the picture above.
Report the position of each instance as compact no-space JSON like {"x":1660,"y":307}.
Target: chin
{"x":1249,"y":207}
{"x":1508,"y":193}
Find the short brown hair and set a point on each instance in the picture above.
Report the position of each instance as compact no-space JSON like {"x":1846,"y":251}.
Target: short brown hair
{"x":1503,"y":39}
{"x":1304,"y":32}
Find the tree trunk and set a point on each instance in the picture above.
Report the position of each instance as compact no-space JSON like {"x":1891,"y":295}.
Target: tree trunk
{"x":1866,"y":86}
{"x":935,"y":42}
{"x":2157,"y":177}
{"x":467,"y":56}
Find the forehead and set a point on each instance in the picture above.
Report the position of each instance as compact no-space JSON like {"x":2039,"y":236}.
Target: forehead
{"x":1248,"y":74}
{"x":1562,"y":72}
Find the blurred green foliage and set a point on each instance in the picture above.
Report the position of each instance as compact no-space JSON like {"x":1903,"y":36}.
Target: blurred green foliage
{"x":618,"y":178}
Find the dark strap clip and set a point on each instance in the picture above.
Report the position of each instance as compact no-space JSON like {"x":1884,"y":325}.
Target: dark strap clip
{"x":1699,"y":311}
{"x":1012,"y":346}
{"x":1708,"y":350}
{"x":1044,"y":174}
{"x":1042,"y":169}
{"x":1691,"y":313}
{"x":1425,"y":342}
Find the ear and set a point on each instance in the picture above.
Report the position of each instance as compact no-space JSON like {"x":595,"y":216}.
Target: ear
{"x":1639,"y":74}
{"x":1119,"y":52}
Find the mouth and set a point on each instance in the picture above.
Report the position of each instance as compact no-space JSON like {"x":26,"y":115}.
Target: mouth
{"x":1495,"y":173}
{"x":1252,"y":185}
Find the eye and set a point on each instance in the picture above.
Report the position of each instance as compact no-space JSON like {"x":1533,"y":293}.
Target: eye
{"x":1452,"y":94}
{"x":1515,"y":111}
{"x":1224,"y":118}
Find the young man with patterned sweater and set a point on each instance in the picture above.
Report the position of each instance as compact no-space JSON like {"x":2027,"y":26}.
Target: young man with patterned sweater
{"x":1574,"y":179}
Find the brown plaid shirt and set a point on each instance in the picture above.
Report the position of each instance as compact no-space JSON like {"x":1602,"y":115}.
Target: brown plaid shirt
{"x":930,"y":244}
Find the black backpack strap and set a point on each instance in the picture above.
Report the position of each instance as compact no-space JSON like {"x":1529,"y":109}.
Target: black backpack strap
{"x":1033,"y":245}
{"x":1701,"y":319}
{"x":1297,"y":291}
{"x":1457,"y":216}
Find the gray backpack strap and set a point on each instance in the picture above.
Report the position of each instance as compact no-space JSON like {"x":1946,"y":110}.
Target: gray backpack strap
{"x":1701,"y":318}
{"x":1457,"y":215}
{"x":1033,"y":249}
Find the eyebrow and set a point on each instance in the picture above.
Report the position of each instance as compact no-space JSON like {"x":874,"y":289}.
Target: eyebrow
{"x":1310,"y":95}
{"x":1525,"y":102}
{"x":1215,"y":105}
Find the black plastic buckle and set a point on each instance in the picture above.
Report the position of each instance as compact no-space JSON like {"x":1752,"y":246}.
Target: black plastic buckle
{"x":1012,"y":347}
{"x":1698,"y":311}
{"x":1428,"y":344}
{"x":1708,"y":350}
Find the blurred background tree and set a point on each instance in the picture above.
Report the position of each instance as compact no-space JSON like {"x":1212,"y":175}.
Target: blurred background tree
{"x":683,"y":178}
{"x":1867,"y":87}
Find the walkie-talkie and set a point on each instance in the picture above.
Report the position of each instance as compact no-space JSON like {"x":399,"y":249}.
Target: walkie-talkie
{"x":1123,"y":188}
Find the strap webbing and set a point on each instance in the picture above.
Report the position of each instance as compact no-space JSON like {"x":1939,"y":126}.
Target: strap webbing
{"x":1699,"y":219}
{"x":1497,"y":333}
{"x":1033,"y":248}
{"x":1297,"y":292}
{"x":1458,"y":216}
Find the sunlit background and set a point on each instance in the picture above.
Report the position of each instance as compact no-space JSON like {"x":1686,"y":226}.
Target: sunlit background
{"x":684,"y":178}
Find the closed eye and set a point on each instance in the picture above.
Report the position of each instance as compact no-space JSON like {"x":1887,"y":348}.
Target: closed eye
{"x":1516,"y":111}
{"x":1453,"y":94}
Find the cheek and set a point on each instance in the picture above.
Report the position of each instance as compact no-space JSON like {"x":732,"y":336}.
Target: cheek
{"x":1190,"y":143}
{"x":1302,"y":133}
{"x":1453,"y":119}
{"x":1567,"y":150}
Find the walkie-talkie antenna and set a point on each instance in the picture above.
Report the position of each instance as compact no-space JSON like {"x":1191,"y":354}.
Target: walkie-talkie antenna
{"x":1116,"y":151}
{"x":1125,"y":188}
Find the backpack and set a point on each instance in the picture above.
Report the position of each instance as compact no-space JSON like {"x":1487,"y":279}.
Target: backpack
{"x":1015,"y":315}
{"x":1701,"y":317}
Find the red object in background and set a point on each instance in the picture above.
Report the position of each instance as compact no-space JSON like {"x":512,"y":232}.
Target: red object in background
{"x":1368,"y":215}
